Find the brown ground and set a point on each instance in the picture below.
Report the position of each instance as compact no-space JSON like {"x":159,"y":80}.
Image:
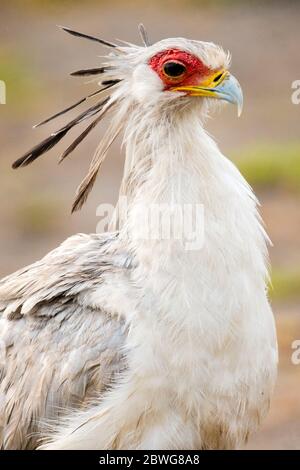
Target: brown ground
{"x":35,"y":203}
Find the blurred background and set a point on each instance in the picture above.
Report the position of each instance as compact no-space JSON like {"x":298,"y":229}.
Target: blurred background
{"x":35,"y":60}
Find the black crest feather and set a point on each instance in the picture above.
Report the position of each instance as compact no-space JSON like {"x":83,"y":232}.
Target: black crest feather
{"x":54,"y":138}
{"x":40,"y":149}
{"x":82,"y":100}
{"x":87,"y":72}
{"x":83,"y":135}
{"x":87,"y":36}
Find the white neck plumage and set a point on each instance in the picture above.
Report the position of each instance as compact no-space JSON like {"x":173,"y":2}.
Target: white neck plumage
{"x":204,"y":284}
{"x":173,"y":162}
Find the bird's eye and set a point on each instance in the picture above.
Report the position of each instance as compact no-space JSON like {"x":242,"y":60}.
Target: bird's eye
{"x":174,"y":69}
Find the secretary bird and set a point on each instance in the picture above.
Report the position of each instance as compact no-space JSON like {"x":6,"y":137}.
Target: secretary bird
{"x":122,"y":341}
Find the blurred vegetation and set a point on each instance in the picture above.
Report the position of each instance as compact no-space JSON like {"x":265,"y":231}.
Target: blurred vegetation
{"x":38,"y":215}
{"x":54,"y":4}
{"x":285,"y":285}
{"x":24,"y":88}
{"x":269,"y":167}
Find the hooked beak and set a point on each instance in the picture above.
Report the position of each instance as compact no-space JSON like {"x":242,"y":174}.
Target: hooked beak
{"x":220,"y":85}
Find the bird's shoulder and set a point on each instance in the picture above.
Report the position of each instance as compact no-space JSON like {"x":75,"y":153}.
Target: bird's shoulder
{"x":73,"y":271}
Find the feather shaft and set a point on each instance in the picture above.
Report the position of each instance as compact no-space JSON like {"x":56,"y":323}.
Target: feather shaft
{"x":144,"y":35}
{"x":87,"y":36}
{"x":54,"y":138}
{"x":94,"y":71}
{"x":73,"y":106}
{"x":83,"y":135}
{"x":87,"y":184}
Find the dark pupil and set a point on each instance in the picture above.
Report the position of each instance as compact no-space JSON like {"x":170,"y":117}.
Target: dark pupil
{"x":174,"y":69}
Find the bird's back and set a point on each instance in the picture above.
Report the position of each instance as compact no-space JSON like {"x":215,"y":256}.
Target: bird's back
{"x":59,"y":347}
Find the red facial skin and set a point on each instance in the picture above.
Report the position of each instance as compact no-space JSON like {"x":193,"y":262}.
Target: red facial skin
{"x":195,"y":69}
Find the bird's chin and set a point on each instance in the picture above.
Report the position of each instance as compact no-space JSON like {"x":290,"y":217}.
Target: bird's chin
{"x":206,"y":107}
{"x":213,"y":106}
{"x":201,"y":107}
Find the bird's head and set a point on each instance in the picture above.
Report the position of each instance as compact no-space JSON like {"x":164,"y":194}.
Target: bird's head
{"x":177,"y":70}
{"x":166,"y":76}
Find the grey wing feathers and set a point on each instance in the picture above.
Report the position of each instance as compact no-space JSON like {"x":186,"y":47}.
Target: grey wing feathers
{"x":56,"y":350}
